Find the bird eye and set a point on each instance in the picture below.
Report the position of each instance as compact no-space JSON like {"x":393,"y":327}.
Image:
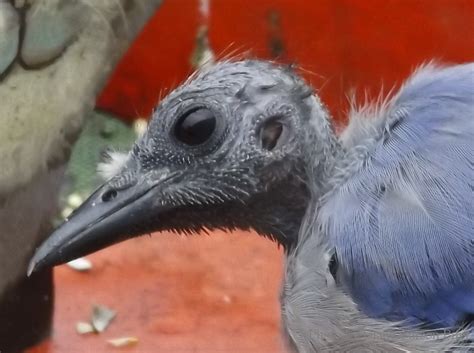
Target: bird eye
{"x":195,"y":127}
{"x":270,"y":134}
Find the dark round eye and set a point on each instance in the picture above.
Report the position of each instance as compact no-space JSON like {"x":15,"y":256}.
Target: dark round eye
{"x":195,"y":127}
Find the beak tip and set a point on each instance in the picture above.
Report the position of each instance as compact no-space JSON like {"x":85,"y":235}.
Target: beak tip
{"x":31,"y":267}
{"x":36,"y":263}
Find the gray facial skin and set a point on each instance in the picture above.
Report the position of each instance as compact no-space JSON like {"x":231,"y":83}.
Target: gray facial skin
{"x":246,"y":174}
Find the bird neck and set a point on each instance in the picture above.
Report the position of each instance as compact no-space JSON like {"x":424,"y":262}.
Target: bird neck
{"x":321,"y":149}
{"x":311,"y":179}
{"x":287,"y":202}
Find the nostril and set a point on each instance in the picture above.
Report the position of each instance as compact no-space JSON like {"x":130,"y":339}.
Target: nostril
{"x":109,"y":195}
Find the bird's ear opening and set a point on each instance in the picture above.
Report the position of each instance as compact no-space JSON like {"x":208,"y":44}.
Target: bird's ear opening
{"x":271,"y":133}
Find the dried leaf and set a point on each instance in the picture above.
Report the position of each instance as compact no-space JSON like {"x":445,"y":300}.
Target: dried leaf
{"x":102,"y":317}
{"x":81,"y":264}
{"x":83,"y":328}
{"x":123,"y":341}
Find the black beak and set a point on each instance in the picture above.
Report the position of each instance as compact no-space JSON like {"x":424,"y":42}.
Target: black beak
{"x":110,"y":215}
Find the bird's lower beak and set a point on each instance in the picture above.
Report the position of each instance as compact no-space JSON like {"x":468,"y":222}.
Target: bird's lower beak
{"x":107,"y":217}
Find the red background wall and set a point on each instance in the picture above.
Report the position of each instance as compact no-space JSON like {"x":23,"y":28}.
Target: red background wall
{"x":345,"y":43}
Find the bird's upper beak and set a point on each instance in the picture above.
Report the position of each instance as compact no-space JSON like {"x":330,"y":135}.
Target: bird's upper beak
{"x":110,"y":215}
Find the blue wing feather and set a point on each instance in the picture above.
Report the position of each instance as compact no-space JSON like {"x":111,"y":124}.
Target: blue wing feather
{"x":403,"y":223}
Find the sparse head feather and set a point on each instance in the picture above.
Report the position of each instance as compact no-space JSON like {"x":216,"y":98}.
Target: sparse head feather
{"x":112,"y":163}
{"x":245,"y":79}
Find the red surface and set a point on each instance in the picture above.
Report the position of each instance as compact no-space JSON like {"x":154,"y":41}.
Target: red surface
{"x":157,"y":61}
{"x":200,"y":294}
{"x":345,"y":43}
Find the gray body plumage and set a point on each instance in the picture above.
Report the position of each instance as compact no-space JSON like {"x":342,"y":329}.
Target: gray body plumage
{"x":385,"y":247}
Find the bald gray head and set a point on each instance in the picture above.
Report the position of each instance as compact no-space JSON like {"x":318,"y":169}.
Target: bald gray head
{"x":224,"y":150}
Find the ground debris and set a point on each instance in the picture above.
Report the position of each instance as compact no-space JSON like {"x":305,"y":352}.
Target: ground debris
{"x":83,"y":328}
{"x":123,"y":341}
{"x":102,"y":317}
{"x":81,"y":264}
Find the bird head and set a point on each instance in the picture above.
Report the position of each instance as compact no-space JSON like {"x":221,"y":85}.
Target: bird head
{"x":224,"y":150}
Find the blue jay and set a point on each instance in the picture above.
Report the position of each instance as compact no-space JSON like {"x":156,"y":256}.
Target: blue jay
{"x":377,"y":223}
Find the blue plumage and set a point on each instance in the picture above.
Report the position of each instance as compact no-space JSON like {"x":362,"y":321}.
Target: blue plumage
{"x":403,"y":223}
